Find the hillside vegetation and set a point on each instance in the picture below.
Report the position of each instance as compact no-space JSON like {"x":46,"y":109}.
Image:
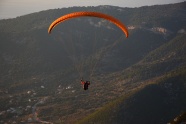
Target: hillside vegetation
{"x":164,"y":95}
{"x":140,"y":79}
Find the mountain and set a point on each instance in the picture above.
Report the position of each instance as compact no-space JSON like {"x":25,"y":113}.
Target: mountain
{"x":136,"y":79}
{"x":163,"y":95}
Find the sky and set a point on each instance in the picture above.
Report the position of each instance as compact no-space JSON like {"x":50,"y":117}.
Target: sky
{"x":14,"y":8}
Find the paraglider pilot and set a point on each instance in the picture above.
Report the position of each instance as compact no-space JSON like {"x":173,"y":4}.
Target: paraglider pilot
{"x":85,"y":84}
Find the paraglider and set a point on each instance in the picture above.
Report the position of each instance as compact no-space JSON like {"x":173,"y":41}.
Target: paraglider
{"x":89,"y":14}
{"x":92,"y":14}
{"x":85,"y":84}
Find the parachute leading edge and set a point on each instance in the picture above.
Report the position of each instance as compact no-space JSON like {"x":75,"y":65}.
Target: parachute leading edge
{"x":92,"y":14}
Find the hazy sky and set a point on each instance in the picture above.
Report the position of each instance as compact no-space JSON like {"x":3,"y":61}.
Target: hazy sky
{"x":14,"y":8}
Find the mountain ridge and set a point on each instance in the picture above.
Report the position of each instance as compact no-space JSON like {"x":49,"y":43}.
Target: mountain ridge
{"x":40,"y":68}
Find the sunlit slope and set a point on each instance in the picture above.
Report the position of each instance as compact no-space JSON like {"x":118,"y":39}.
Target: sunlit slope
{"x":169,"y":56}
{"x":163,"y":72}
{"x":163,"y":96}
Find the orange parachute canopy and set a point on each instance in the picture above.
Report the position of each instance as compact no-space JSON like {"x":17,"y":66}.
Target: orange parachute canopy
{"x":93,"y":14}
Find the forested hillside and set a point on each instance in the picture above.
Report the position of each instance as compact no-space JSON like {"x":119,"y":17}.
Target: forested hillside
{"x":139,"y":79}
{"x":163,"y":94}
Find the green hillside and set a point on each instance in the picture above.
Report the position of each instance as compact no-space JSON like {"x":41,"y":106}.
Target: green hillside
{"x":135,"y":78}
{"x":159,"y":61}
{"x":164,"y":96}
{"x":162,"y":93}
